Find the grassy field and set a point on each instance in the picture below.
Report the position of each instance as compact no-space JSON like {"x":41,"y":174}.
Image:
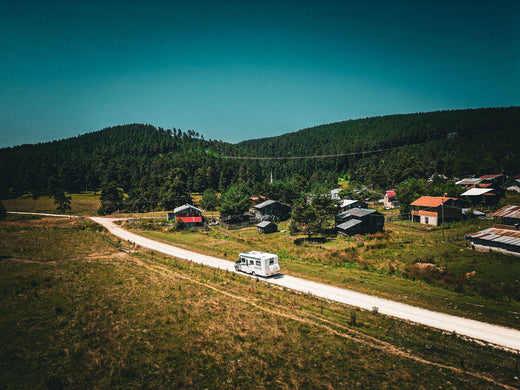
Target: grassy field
{"x":408,"y":263}
{"x":81,"y":204}
{"x":75,"y":312}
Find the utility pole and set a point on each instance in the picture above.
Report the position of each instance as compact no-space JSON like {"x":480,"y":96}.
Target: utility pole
{"x":442,"y":204}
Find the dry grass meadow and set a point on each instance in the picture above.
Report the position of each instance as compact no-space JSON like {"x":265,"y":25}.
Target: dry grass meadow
{"x":76,"y":312}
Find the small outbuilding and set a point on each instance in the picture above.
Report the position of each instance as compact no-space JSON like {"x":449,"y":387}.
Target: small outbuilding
{"x":266,"y":227}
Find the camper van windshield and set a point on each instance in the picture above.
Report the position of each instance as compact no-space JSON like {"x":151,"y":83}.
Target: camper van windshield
{"x":271,"y":261}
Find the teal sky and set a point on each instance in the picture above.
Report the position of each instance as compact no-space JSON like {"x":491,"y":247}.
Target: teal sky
{"x":236,"y":70}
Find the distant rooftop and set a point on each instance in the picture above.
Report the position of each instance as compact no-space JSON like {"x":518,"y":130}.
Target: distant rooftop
{"x":468,"y":181}
{"x":358,"y":212}
{"x":476,"y":191}
{"x":263,"y":204}
{"x":347,"y":202}
{"x":349,"y":224}
{"x":508,"y":212}
{"x":186,"y":207}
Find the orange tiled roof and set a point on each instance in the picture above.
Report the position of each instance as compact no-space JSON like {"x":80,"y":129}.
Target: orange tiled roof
{"x":430,"y":201}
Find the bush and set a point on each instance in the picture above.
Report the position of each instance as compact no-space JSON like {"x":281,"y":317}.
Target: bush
{"x":3,"y":211}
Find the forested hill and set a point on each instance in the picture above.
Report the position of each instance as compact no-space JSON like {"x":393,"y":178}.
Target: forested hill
{"x":136,"y":157}
{"x":390,"y":131}
{"x":453,"y":143}
{"x":153,"y":164}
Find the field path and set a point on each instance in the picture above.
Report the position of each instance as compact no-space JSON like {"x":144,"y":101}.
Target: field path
{"x":504,"y":337}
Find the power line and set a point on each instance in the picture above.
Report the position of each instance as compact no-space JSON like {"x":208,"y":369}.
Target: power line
{"x":319,"y":156}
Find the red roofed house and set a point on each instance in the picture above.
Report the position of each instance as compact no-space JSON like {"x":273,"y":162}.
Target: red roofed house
{"x":190,"y":215}
{"x":431,"y":211}
{"x":389,"y":200}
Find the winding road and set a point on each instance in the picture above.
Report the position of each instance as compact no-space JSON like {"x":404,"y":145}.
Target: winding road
{"x":506,"y":338}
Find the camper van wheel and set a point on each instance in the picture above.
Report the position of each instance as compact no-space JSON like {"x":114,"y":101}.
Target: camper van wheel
{"x":236,"y":268}
{"x":253,"y":273}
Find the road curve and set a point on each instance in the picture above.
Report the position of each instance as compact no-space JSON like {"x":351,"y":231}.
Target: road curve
{"x":504,"y":337}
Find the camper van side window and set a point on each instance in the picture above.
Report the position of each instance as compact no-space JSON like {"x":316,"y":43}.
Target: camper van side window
{"x":258,"y":263}
{"x":251,"y":262}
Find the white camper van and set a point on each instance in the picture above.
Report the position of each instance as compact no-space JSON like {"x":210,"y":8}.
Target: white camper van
{"x":257,"y":263}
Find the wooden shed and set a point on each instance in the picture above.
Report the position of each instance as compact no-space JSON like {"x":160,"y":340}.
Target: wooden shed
{"x":266,"y":227}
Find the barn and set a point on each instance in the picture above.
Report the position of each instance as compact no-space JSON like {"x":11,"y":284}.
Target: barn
{"x":272,"y":210}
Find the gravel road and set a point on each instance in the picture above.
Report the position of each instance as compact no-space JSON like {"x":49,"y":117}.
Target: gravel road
{"x":499,"y":335}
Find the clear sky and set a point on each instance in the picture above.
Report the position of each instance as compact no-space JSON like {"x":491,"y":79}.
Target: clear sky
{"x":235,"y":70}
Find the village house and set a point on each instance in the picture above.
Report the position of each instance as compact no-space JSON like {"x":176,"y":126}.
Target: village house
{"x":389,"y":200}
{"x":190,"y":215}
{"x":266,"y":227}
{"x":359,"y":221}
{"x":271,"y":210}
{"x":484,"y":196}
{"x":503,"y":236}
{"x":433,"y":210}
